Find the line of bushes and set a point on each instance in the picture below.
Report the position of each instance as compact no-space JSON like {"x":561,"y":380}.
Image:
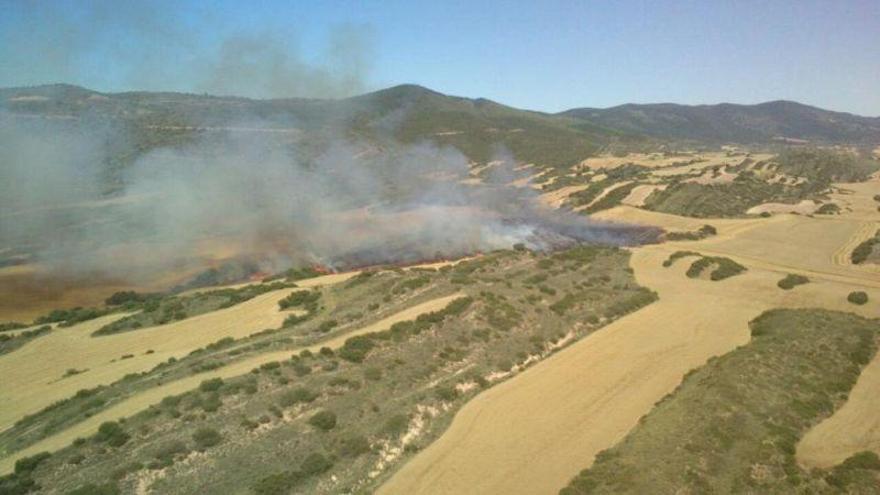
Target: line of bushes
{"x":355,"y":349}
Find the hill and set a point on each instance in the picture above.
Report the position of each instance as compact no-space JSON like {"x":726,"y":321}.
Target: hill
{"x":725,"y":122}
{"x":479,"y":128}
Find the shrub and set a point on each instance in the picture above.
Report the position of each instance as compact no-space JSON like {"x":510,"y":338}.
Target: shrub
{"x":828,"y":209}
{"x":210,"y":385}
{"x":447,"y":394}
{"x":356,"y":348}
{"x":315,"y":463}
{"x":323,"y":420}
{"x":278,"y":483}
{"x":326,"y":326}
{"x":26,"y":465}
{"x":862,"y":460}
{"x":296,"y":396}
{"x":112,"y":434}
{"x":374,"y":374}
{"x":864,"y":250}
{"x":306,"y":298}
{"x":354,"y":446}
{"x":396,"y":425}
{"x":93,"y":489}
{"x":165,"y":454}
{"x":211,"y":402}
{"x":676,"y":255}
{"x":206,"y":437}
{"x":791,"y":280}
{"x":857,"y":297}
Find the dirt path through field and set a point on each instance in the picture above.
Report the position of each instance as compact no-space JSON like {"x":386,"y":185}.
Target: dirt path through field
{"x":533,"y":433}
{"x":143,"y":400}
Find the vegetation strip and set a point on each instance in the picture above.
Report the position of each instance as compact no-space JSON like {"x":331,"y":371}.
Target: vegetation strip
{"x":721,"y":433}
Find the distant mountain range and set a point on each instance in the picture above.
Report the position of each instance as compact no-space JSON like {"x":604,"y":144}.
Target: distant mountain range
{"x":477,"y":127}
{"x":774,"y":120}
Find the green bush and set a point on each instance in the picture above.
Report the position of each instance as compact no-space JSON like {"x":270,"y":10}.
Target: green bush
{"x":374,"y":374}
{"x":26,"y":465}
{"x":791,"y":280}
{"x":297,"y":396}
{"x":676,"y":255}
{"x":206,"y":437}
{"x":447,"y":394}
{"x":828,"y":209}
{"x":396,"y":425}
{"x":356,"y":348}
{"x":278,"y":483}
{"x":323,"y":420}
{"x":112,"y":434}
{"x":305,"y":298}
{"x":315,"y":463}
{"x":211,"y":385}
{"x":353,"y":446}
{"x":857,"y":297}
{"x":93,"y":489}
{"x":861,"y":253}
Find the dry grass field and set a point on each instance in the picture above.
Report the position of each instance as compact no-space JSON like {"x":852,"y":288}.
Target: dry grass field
{"x":38,"y":380}
{"x":535,"y":432}
{"x":154,"y":395}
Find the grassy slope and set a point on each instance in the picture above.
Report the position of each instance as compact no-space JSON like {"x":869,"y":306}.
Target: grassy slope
{"x":522,"y":306}
{"x":732,"y":425}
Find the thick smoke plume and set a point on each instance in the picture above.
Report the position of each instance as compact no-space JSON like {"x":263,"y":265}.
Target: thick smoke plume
{"x":258,"y":200}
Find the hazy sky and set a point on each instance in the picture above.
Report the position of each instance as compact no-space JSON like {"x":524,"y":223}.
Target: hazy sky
{"x":547,"y":55}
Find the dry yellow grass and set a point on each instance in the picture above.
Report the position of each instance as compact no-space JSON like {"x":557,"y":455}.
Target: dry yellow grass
{"x":534,"y":432}
{"x":640,"y":193}
{"x":603,"y":194}
{"x":36,"y":368}
{"x":645,"y":159}
{"x":154,"y":395}
{"x":554,"y":199}
{"x":804,"y":207}
{"x":853,"y":428}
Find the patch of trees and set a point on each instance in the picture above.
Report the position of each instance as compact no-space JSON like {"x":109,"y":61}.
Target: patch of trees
{"x":857,"y":297}
{"x":21,"y":481}
{"x":791,"y":280}
{"x":724,"y":268}
{"x":355,"y":349}
{"x":701,"y":233}
{"x":861,"y":253}
{"x":283,"y":482}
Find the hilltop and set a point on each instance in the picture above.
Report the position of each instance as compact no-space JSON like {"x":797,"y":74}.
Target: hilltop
{"x":785,"y":121}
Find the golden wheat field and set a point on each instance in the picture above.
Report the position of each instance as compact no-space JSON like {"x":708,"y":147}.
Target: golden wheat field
{"x":534,"y":432}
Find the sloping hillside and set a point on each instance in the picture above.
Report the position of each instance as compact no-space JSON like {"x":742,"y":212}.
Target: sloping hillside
{"x":479,"y":128}
{"x":765,"y":122}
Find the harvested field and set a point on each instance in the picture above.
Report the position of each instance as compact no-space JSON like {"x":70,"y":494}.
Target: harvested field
{"x":589,"y":395}
{"x":855,"y":427}
{"x":640,"y":193}
{"x":154,"y":395}
{"x":554,"y":199}
{"x":601,"y":195}
{"x":37,"y":381}
{"x":804,"y":207}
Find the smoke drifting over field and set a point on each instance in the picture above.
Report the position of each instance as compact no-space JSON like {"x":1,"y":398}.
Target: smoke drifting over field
{"x":258,"y":200}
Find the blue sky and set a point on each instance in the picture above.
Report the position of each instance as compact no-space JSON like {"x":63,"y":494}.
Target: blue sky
{"x":549,"y":55}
